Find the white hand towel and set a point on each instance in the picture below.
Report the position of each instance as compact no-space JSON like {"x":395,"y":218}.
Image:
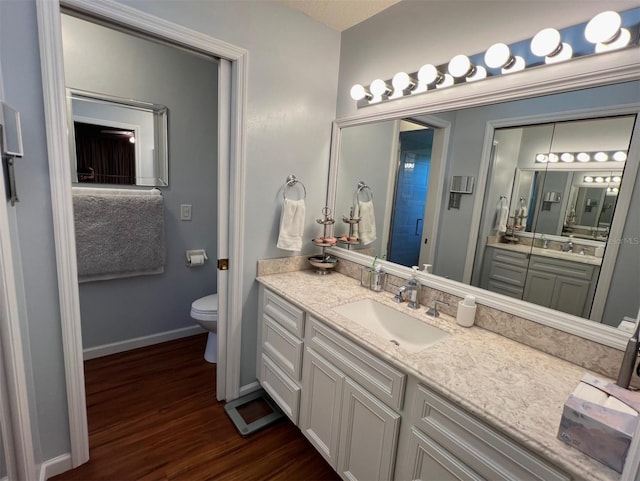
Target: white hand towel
{"x":502,"y":216}
{"x":367,"y":224}
{"x":291,"y":225}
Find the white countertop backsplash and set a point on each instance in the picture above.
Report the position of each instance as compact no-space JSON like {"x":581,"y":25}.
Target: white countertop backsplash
{"x":517,"y":389}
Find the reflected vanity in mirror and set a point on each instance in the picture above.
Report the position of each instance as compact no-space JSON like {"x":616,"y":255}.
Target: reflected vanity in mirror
{"x":117,"y":141}
{"x":572,"y":210}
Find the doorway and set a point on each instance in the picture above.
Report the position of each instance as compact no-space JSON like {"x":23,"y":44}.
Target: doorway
{"x":231,"y":115}
{"x":412,"y":182}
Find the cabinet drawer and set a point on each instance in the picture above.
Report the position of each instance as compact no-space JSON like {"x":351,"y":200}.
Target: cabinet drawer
{"x":551,"y":265}
{"x":282,"y":347}
{"x":379,"y":378}
{"x":520,"y":259}
{"x":481,"y":448}
{"x":281,"y":388}
{"x":285,"y":313}
{"x":507,"y":273}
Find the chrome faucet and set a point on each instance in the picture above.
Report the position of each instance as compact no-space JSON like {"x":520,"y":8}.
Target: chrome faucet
{"x":567,"y":246}
{"x":399,"y":297}
{"x":433,"y":310}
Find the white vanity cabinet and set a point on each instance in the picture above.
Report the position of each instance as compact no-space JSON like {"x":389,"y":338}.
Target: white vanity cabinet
{"x":350,"y":404}
{"x":279,"y":363}
{"x":448,"y":444}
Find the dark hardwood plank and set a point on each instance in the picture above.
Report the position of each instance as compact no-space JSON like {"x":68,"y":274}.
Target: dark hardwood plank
{"x":153,"y":416}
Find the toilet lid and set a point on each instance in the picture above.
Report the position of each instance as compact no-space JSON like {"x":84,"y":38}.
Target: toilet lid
{"x":205,"y":308}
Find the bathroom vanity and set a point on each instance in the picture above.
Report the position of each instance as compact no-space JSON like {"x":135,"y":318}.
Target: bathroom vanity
{"x":550,"y":278}
{"x":471,"y":405}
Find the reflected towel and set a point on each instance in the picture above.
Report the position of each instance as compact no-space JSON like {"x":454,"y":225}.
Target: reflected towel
{"x":291,"y":225}
{"x":502,"y":216}
{"x":367,"y":224}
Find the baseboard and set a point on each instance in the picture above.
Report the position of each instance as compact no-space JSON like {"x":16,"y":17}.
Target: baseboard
{"x":53,"y":467}
{"x":248,"y":388}
{"x":127,"y":345}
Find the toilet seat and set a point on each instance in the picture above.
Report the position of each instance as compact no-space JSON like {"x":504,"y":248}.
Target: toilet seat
{"x":205,"y":308}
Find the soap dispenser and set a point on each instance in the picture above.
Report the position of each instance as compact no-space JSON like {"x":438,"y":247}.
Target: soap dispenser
{"x":412,"y":289}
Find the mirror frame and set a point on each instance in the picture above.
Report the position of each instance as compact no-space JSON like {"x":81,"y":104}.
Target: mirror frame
{"x":590,"y":71}
{"x":160,"y":131}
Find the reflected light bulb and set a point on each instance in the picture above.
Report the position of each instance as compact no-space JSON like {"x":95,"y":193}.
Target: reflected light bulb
{"x":132,"y":140}
{"x":617,"y":179}
{"x":446,"y":82}
{"x":599,"y":180}
{"x":583,"y":157}
{"x":588,"y":179}
{"x":566,"y":157}
{"x":553,"y":158}
{"x":427,"y":75}
{"x":601,"y":157}
{"x":541,"y":158}
{"x":620,"y":156}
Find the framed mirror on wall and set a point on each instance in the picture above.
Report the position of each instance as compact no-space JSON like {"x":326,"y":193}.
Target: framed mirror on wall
{"x":485,"y":142}
{"x":117,"y":141}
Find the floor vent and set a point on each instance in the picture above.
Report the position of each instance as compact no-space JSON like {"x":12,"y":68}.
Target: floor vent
{"x":253,"y":412}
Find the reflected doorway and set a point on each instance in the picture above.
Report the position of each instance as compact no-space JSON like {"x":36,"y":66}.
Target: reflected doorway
{"x":410,"y":195}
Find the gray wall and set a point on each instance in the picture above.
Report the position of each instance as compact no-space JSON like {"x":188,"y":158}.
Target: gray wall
{"x":102,"y":60}
{"x":293,"y":69}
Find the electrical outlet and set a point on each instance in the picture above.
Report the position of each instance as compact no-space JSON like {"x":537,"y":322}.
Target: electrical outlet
{"x":185,"y":211}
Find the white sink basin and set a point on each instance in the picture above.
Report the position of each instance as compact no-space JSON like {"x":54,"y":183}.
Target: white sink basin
{"x":395,"y":326}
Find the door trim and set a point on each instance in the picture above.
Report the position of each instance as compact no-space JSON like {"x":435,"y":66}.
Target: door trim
{"x":52,"y":64}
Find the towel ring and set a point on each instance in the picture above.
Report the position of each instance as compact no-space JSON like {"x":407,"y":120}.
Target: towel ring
{"x":362,"y":187}
{"x":291,"y":181}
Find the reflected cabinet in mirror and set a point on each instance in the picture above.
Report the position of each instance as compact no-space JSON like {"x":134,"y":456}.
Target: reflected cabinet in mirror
{"x":117,"y":141}
{"x":539,"y":218}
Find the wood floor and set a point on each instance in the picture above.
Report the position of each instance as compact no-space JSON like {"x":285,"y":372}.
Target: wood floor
{"x":153,"y":416}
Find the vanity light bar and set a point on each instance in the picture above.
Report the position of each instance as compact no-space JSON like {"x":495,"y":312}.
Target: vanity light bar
{"x":568,"y":157}
{"x":598,"y":179}
{"x":602,"y":33}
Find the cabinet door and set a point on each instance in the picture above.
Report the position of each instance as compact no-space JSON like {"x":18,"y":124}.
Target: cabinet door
{"x":428,"y":461}
{"x":570,"y":295}
{"x":368,"y":436}
{"x":320,"y":411}
{"x":539,"y":288}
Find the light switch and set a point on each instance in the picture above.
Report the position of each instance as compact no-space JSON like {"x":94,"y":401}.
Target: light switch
{"x":185,"y":211}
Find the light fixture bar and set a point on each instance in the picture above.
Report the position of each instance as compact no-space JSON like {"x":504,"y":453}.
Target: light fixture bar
{"x":598,"y":156}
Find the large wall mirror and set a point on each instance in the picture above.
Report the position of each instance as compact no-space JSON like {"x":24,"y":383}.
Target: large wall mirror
{"x":520,"y":198}
{"x":117,"y":141}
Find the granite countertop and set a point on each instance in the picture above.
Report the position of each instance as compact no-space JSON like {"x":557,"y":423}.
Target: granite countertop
{"x":556,"y":254}
{"x":515,"y":388}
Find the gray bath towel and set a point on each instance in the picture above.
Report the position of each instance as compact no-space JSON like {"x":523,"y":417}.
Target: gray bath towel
{"x":118,"y":234}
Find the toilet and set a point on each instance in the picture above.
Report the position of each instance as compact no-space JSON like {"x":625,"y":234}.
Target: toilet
{"x":205,"y":311}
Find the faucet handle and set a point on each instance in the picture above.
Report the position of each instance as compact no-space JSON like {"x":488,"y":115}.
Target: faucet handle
{"x":399,"y":297}
{"x":433,"y":310}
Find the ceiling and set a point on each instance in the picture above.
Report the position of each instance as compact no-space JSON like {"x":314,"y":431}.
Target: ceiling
{"x":339,"y":14}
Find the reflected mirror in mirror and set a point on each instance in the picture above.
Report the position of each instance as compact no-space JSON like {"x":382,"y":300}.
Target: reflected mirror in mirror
{"x":117,"y":141}
{"x":498,"y":145}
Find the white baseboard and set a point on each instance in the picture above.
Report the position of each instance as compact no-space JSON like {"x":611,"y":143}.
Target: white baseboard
{"x":127,"y":345}
{"x":249,"y":388}
{"x":55,"y":466}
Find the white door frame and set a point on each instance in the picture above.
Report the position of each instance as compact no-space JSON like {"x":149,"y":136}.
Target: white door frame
{"x":15,"y":421}
{"x":232,"y":151}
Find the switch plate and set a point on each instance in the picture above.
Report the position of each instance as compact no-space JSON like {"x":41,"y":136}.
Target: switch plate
{"x":185,"y":211}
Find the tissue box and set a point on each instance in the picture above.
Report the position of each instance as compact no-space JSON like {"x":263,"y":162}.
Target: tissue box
{"x":599,"y":419}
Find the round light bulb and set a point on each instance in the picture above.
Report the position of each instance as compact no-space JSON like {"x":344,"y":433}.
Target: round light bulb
{"x":498,"y":56}
{"x":565,"y":52}
{"x":601,"y":157}
{"x":553,"y":158}
{"x":567,"y":157}
{"x":132,"y":140}
{"x":583,"y":157}
{"x":546,"y":42}
{"x":615,"y":190}
{"x":603,"y":28}
{"x":617,"y":179}
{"x":588,"y":179}
{"x":517,"y":65}
{"x":429,"y":74}
{"x":479,"y":73}
{"x":401,"y":81}
{"x":379,"y":88}
{"x":607,"y":179}
{"x":542,"y":158}
{"x":460,"y":66}
{"x":622,"y":40}
{"x":446,"y":82}
{"x":599,"y":180}
{"x":620,"y":156}
{"x":358,"y":92}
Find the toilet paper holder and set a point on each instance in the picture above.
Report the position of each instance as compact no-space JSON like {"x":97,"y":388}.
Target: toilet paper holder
{"x":196,"y":257}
